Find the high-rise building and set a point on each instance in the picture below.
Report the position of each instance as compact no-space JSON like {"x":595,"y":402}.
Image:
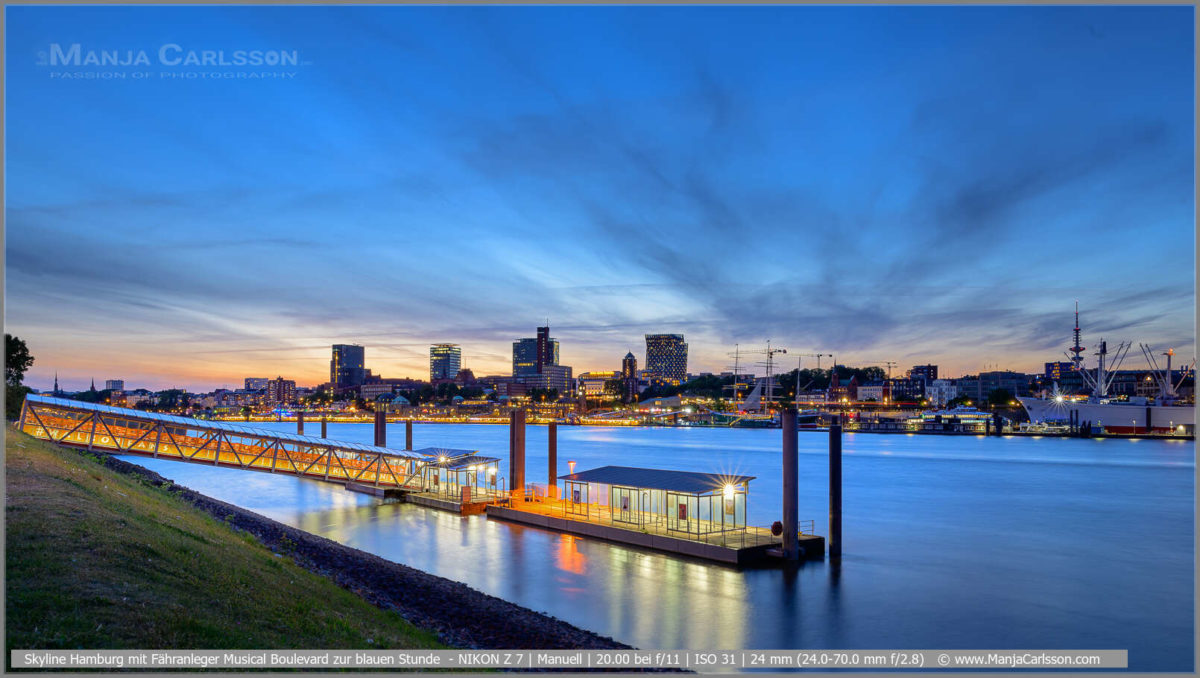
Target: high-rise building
{"x":666,"y":358}
{"x":445,"y":360}
{"x":256,"y":383}
{"x":531,"y":356}
{"x":114,"y":385}
{"x":281,"y":391}
{"x":524,"y":357}
{"x":346,"y":369}
{"x":629,"y":378}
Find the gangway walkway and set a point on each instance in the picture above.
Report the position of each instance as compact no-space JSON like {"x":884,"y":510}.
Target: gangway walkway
{"x":164,"y":436}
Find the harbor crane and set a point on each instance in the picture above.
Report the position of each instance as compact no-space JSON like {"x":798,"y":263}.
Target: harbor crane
{"x":1167,"y":390}
{"x":770,"y":353}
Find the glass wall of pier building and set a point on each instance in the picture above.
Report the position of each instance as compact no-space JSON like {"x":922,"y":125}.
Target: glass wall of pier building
{"x":686,"y":503}
{"x":448,"y":471}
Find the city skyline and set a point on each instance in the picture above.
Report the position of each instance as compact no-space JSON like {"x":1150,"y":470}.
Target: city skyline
{"x":921,"y":184}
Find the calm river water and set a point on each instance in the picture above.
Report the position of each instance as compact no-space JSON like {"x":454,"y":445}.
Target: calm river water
{"x":950,"y":542}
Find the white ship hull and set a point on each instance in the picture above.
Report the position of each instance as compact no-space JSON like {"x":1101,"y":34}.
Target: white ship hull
{"x":1114,"y":417}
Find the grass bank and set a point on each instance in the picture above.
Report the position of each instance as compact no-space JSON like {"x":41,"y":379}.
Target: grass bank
{"x":99,"y":559}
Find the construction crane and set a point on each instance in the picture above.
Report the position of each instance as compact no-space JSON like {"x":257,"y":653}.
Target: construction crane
{"x":770,"y":365}
{"x":799,"y":363}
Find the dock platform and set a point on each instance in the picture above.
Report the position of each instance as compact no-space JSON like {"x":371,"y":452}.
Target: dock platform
{"x":741,"y":547}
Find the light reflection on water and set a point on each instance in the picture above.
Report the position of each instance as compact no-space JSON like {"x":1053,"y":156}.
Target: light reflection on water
{"x":950,"y":542}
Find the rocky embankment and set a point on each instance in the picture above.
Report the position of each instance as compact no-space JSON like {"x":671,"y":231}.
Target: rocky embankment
{"x":460,"y":615}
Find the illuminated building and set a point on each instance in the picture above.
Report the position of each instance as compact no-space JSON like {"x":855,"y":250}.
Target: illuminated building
{"x":926,"y":372}
{"x":256,"y":383}
{"x":532,"y":355}
{"x":346,"y":369}
{"x":666,"y":358}
{"x":592,"y":383}
{"x":629,"y":378}
{"x":557,"y":377}
{"x":281,"y":391}
{"x":444,"y":361}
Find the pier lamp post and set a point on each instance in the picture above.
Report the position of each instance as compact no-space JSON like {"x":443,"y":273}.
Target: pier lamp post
{"x":571,"y":467}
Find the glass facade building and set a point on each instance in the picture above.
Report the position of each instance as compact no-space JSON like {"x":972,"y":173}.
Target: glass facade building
{"x":346,"y":369}
{"x":666,"y":358}
{"x":445,"y":360}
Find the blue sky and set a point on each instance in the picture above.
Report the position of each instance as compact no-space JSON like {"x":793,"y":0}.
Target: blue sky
{"x":922,"y":184}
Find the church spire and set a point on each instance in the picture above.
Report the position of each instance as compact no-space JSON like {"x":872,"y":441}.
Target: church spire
{"x":93,"y":384}
{"x":55,"y":382}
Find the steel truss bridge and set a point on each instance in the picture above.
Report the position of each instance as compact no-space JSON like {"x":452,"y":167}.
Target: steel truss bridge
{"x":164,"y":436}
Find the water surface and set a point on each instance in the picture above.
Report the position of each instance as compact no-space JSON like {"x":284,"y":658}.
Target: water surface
{"x":950,"y":542}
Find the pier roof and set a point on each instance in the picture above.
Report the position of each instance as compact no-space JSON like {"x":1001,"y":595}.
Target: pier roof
{"x":689,"y":482}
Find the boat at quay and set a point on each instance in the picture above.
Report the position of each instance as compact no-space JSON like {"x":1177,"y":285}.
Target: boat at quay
{"x":1099,"y":412}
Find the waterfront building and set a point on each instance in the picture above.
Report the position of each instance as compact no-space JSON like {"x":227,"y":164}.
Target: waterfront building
{"x":839,"y":391}
{"x":281,"y":391}
{"x":114,"y":385}
{"x":592,"y":384}
{"x":666,"y":358}
{"x":940,"y":391}
{"x":444,"y":362}
{"x":346,"y":368}
{"x":680,"y":502}
{"x":557,"y":377}
{"x":875,"y":391}
{"x":979,"y":387}
{"x":908,"y":389}
{"x":374,"y":391}
{"x":254,"y":384}
{"x":547,"y":349}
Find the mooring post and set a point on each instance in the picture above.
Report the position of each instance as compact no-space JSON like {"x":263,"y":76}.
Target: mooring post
{"x":516,"y":451}
{"x":324,"y":427}
{"x":791,"y":483}
{"x":835,"y":489}
{"x":380,"y":429}
{"x":408,"y":434}
{"x":299,"y":422}
{"x":552,"y":460}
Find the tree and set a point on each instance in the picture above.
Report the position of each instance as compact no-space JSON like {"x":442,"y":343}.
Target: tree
{"x":17,"y":361}
{"x":1000,"y":397}
{"x":543,"y":395}
{"x":960,"y":400}
{"x":246,"y":410}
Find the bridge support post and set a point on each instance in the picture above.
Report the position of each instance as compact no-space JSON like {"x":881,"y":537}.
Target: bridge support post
{"x":408,"y":434}
{"x":324,"y":427}
{"x":299,"y":423}
{"x":791,"y":480}
{"x":835,"y":490}
{"x":516,"y":451}
{"x":552,"y":460}
{"x":380,"y":429}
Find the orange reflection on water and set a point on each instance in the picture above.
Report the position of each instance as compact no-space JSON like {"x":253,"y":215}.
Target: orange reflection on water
{"x":568,"y":556}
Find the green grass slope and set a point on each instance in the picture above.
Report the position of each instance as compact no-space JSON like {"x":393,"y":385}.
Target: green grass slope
{"x":96,"y":559}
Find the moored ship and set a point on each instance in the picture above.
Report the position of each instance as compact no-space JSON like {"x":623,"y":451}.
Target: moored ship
{"x":1164,"y":414}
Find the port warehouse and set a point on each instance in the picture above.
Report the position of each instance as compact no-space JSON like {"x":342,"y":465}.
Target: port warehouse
{"x":695,"y":514}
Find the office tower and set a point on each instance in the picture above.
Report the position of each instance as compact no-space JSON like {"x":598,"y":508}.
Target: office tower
{"x":666,"y":358}
{"x":346,"y":368}
{"x":445,"y":360}
{"x":532,"y":355}
{"x":114,"y":385}
{"x":926,"y":372}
